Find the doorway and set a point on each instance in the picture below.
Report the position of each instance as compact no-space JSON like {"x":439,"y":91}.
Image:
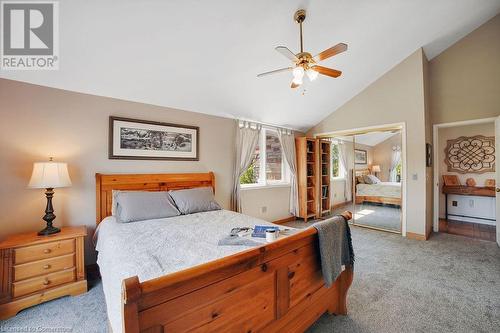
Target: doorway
{"x":466,"y":181}
{"x":368,"y":169}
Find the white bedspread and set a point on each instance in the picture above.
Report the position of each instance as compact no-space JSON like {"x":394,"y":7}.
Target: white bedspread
{"x":383,"y":189}
{"x":153,"y":248}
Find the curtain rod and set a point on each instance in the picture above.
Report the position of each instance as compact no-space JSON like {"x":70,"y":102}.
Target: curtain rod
{"x":267,"y":125}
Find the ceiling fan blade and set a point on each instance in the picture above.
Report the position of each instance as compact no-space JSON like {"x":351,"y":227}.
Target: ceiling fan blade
{"x":294,"y":85}
{"x":339,"y":48}
{"x":275,"y":71}
{"x":287,"y":53}
{"x":327,"y":71}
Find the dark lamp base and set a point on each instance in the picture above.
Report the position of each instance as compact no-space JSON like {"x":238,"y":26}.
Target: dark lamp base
{"x":49,"y":231}
{"x":49,"y":215}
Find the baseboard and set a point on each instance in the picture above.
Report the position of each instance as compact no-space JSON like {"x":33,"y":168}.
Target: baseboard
{"x":412,"y":235}
{"x":285,"y":220}
{"x":428,"y":234}
{"x":341,"y":204}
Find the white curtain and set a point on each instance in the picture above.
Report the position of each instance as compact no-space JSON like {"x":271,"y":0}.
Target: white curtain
{"x":247,"y":137}
{"x":287,"y":140}
{"x":395,"y":160}
{"x":345,"y":156}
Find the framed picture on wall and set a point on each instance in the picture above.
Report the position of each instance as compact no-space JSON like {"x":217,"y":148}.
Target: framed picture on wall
{"x":360,"y":156}
{"x":133,"y":139}
{"x":428,"y":155}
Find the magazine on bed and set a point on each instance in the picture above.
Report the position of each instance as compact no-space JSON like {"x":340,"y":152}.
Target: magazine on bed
{"x":260,"y":230}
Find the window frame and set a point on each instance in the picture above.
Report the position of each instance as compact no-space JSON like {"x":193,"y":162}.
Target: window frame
{"x":262,"y":182}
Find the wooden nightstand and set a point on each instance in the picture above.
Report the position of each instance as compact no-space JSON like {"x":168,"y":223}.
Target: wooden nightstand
{"x":35,"y":269}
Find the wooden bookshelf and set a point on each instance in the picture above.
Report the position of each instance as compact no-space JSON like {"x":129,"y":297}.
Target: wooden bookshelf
{"x":324,"y":177}
{"x":307,"y":176}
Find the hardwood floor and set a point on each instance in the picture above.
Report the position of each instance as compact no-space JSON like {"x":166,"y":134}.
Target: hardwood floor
{"x":467,"y":229}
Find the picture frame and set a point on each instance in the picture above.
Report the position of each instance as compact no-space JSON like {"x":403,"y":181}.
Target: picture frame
{"x":360,"y":156}
{"x":135,"y":139}
{"x":428,"y":155}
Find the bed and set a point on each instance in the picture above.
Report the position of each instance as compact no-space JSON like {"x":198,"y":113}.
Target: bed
{"x":383,"y":192}
{"x":273,"y":287}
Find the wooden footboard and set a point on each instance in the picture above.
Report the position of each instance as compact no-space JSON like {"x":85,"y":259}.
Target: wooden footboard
{"x":374,"y":199}
{"x":276,"y":287}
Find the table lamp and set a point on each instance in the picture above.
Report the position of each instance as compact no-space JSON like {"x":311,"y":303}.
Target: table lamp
{"x":376,"y":169}
{"x":49,"y":175}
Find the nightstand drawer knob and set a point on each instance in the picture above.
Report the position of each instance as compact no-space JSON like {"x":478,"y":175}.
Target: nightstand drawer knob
{"x":46,"y":251}
{"x":46,"y":282}
{"x":46,"y":266}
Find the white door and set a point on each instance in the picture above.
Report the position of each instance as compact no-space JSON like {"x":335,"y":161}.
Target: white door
{"x":497,"y":158}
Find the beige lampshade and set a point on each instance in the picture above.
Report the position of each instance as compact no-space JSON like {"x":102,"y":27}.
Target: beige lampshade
{"x":376,"y":168}
{"x":49,"y":175}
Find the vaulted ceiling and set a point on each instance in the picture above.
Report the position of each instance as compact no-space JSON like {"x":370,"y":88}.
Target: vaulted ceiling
{"x":203,"y":56}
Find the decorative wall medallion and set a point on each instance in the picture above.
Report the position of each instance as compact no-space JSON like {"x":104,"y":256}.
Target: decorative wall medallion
{"x":474,"y":154}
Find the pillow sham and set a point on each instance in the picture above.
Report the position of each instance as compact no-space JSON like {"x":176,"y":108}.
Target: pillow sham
{"x":371,"y":179}
{"x":195,"y":200}
{"x":131,"y":206}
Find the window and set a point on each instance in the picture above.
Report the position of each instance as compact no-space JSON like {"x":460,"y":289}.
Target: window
{"x":268,"y":165}
{"x":338,"y":170}
{"x":335,"y":160}
{"x":398,"y":171}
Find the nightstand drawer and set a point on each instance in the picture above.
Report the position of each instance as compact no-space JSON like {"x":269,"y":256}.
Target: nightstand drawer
{"x":43,"y":251}
{"x":31,"y":269}
{"x":42,"y":282}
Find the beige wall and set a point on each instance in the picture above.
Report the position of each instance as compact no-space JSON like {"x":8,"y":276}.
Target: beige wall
{"x":38,"y":122}
{"x":464,"y":82}
{"x":429,"y":173}
{"x":338,"y":194}
{"x":465,"y":78}
{"x":269,"y":204}
{"x":382,"y":155}
{"x":449,"y":133}
{"x":398,"y":96}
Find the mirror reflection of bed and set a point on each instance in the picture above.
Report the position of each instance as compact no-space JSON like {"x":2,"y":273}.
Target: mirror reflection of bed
{"x":377,"y":202}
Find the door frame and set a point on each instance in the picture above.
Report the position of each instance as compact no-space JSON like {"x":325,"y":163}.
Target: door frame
{"x":435,"y":143}
{"x":383,"y":127}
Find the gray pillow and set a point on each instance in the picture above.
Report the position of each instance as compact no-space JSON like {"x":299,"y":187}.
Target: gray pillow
{"x":133,"y":206}
{"x":195,"y":200}
{"x":371,"y":179}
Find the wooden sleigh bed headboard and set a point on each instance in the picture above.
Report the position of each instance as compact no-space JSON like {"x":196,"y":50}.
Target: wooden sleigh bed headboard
{"x":106,"y":183}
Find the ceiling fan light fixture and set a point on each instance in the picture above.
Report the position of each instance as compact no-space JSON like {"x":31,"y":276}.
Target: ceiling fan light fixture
{"x":312,"y":74}
{"x":298,"y":73}
{"x":297,"y":81}
{"x":303,"y":62}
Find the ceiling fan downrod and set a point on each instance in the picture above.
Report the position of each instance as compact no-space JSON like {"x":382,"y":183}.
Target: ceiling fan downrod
{"x":300,"y":17}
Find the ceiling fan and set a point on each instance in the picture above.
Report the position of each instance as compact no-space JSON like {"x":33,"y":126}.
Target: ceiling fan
{"x":304,"y":62}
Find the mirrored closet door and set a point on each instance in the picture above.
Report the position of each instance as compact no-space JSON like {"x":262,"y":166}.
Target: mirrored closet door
{"x":367,"y":178}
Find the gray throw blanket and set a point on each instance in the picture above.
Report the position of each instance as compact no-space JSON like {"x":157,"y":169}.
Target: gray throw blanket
{"x":335,"y":246}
